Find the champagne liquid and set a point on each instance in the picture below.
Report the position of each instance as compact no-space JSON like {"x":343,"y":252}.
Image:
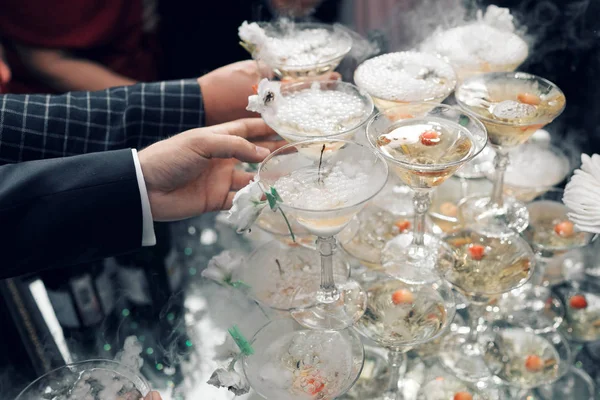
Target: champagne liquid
{"x":544,"y":215}
{"x":403,"y":143}
{"x":397,"y":325}
{"x":504,"y":266}
{"x":507,"y":356}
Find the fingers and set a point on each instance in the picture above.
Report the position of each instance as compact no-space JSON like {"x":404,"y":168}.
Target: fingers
{"x":226,"y":146}
{"x":229,"y":201}
{"x":271,"y":144}
{"x":241,"y":178}
{"x":247,"y":128}
{"x":153,"y":396}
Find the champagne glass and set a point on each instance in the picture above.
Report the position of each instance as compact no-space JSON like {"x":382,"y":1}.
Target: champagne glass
{"x":512,"y":106}
{"x":581,"y":326}
{"x":444,"y":388}
{"x":323,"y":194}
{"x":477,"y":48}
{"x":305,"y":50}
{"x":273,"y":273}
{"x":550,"y":232}
{"x":320,"y":109}
{"x":399,"y":78}
{"x":523,"y":360}
{"x":534,"y":169}
{"x":91,"y":379}
{"x":293,"y":363}
{"x":424,"y":143}
{"x":401,"y":316}
{"x":482,"y":268}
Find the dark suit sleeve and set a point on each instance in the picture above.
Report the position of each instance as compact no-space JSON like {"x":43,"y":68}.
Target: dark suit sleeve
{"x":34,"y":127}
{"x":68,"y":211}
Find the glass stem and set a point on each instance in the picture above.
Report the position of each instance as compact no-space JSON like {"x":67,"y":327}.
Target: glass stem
{"x":421,"y":202}
{"x":500,"y":164}
{"x":395,"y":359}
{"x":476,"y":312}
{"x":328,"y":292}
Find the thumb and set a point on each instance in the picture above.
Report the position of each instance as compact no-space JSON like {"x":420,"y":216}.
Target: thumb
{"x":153,"y":396}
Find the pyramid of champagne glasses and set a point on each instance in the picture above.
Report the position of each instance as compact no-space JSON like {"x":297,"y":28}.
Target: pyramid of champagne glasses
{"x":394,"y":271}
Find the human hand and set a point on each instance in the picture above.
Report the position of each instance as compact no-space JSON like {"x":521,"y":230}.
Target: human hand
{"x":225,"y":90}
{"x":194,"y":172}
{"x":153,"y":396}
{"x":5,"y":73}
{"x":295,"y":8}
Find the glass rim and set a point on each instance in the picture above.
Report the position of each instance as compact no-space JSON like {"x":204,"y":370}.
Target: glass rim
{"x":367,"y":115}
{"x":518,"y":76}
{"x":120,"y":368}
{"x":435,"y":167}
{"x":309,"y":25}
{"x":346,"y":207}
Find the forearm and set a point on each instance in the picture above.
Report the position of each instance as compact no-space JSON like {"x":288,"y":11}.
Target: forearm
{"x":65,"y":73}
{"x":68,"y":211}
{"x":71,"y":74}
{"x":35,"y":127}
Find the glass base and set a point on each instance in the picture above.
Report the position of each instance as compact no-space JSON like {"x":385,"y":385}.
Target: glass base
{"x":478,"y":167}
{"x":337,"y":315}
{"x":463,"y":359}
{"x":477,"y":211}
{"x":576,"y":384}
{"x":411,"y":263}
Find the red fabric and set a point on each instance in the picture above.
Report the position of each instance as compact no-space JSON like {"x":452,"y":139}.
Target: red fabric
{"x":106,"y":31}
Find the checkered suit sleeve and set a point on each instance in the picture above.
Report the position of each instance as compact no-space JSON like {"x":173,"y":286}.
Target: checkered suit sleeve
{"x":34,"y":127}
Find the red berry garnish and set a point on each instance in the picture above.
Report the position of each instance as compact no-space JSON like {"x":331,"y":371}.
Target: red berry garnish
{"x":578,"y":302}
{"x":462,"y":396}
{"x":476,"y":251}
{"x":528,"y":98}
{"x":402,"y":296}
{"x":430,"y":138}
{"x":402,"y":225}
{"x":564,"y":229}
{"x":533,"y":363}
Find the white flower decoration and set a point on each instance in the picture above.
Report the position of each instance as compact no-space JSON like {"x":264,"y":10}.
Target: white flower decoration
{"x":267,"y":98}
{"x":497,"y":17}
{"x":231,"y":379}
{"x":222,"y":267}
{"x":582,"y":195}
{"x":247,"y":206}
{"x":252,"y":34}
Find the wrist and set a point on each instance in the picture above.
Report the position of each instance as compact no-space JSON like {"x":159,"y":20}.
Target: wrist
{"x":208,"y":96}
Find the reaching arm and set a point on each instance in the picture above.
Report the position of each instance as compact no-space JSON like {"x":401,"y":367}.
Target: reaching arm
{"x":35,"y":127}
{"x":67,"y":211}
{"x":64,"y":73}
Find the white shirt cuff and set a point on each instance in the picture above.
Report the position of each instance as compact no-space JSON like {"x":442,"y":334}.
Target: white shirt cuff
{"x":148,"y":236}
